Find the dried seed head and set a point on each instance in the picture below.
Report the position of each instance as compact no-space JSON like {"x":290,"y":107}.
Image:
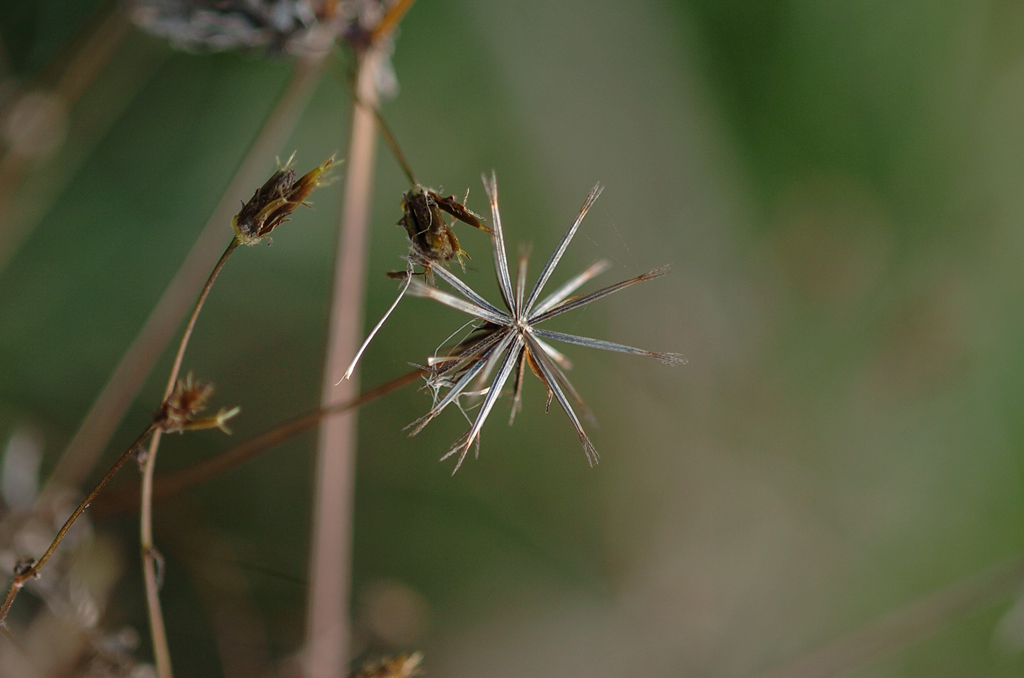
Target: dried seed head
{"x":433,"y":240}
{"x":188,"y":398}
{"x":311,"y":180}
{"x":271,"y":26}
{"x":510,"y":339}
{"x":274,"y":201}
{"x":430,"y":234}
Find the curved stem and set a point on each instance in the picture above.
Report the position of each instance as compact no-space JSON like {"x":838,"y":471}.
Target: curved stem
{"x":161,"y":651}
{"x":128,"y":378}
{"x":158,"y":633}
{"x":19,"y":580}
{"x":183,"y":344}
{"x":389,"y":138}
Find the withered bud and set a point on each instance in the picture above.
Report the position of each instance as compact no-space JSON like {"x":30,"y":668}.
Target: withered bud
{"x":433,"y":240}
{"x":274,"y":201}
{"x":189,"y":397}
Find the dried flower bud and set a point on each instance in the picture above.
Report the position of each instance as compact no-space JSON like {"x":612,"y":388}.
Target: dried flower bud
{"x":274,"y":201}
{"x":188,"y":398}
{"x":433,"y":240}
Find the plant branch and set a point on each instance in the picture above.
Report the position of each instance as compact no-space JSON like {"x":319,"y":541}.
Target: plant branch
{"x":167,"y":485}
{"x":137,"y":362}
{"x":94,"y":433}
{"x":23,"y":574}
{"x":158,"y":632}
{"x":327,"y":625}
{"x":187,"y":334}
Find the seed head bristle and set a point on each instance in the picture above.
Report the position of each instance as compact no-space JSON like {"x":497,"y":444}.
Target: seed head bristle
{"x":510,"y":336}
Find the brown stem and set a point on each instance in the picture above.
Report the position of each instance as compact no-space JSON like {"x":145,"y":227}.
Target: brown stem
{"x":389,"y":138}
{"x":161,"y":651}
{"x":24,"y":575}
{"x":187,"y":334}
{"x":120,"y":392}
{"x":390,"y":20}
{"x":170,"y":484}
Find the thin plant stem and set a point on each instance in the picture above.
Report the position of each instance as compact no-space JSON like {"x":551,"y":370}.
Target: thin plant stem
{"x":121,"y":500}
{"x":28,"y":573}
{"x":158,"y":632}
{"x":187,"y":334}
{"x":327,"y":622}
{"x":129,"y":376}
{"x":120,"y":392}
{"x":389,"y":138}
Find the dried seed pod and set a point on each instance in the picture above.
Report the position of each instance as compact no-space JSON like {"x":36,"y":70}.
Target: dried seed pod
{"x":274,"y":201}
{"x":432,"y":238}
{"x":189,"y":398}
{"x":432,"y":242}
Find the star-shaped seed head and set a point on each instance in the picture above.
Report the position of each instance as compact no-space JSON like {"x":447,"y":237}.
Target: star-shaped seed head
{"x":508,"y":340}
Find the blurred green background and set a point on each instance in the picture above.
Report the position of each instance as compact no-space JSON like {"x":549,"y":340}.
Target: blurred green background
{"x":838,"y":188}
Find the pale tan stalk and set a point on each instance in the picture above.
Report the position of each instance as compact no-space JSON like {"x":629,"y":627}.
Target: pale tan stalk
{"x":327,"y":622}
